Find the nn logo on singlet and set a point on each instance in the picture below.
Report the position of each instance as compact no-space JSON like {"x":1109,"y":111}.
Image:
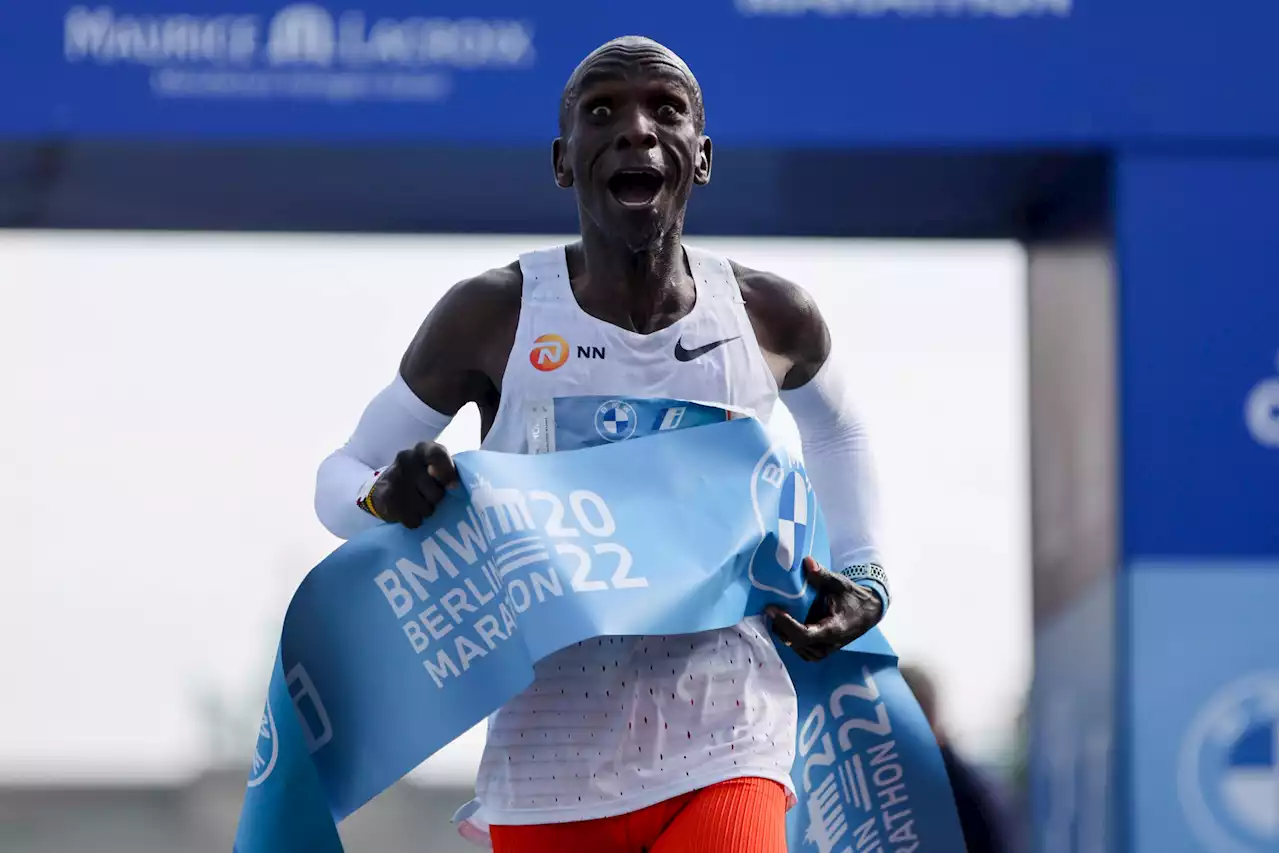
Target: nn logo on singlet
{"x":549,"y":352}
{"x":552,"y":351}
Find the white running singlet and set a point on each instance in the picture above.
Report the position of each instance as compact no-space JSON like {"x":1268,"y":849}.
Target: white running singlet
{"x":614,"y":725}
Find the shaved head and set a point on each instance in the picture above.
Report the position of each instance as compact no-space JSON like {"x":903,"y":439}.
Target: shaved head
{"x":631,"y":143}
{"x":613,"y":57}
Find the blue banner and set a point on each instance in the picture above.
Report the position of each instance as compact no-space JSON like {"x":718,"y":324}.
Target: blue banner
{"x":1198,"y":360}
{"x":1203,"y":747}
{"x":402,"y":640}
{"x":1200,"y":425}
{"x":776,"y":72}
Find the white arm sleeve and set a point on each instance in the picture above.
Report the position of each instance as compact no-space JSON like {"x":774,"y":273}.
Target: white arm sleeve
{"x":396,"y":419}
{"x":838,"y":461}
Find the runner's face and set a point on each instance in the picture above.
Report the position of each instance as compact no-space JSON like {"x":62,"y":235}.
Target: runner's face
{"x":633,"y":148}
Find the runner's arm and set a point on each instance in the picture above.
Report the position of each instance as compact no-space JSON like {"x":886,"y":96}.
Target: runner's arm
{"x":445,"y":367}
{"x":838,"y":461}
{"x":833,"y":437}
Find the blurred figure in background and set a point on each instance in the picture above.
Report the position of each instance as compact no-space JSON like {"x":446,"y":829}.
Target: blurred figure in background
{"x":982,"y":816}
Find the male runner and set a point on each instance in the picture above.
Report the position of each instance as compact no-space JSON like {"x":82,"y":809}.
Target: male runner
{"x":693,"y":746}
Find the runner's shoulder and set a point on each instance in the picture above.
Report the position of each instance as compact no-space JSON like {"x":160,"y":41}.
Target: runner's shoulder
{"x":472,"y":327}
{"x":784,"y":315}
{"x":491,"y":296}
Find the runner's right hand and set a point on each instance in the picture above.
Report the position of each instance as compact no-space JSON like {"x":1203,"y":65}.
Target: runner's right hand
{"x":414,"y":485}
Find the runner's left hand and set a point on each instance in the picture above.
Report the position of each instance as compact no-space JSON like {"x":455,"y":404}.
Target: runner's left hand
{"x":842,"y":612}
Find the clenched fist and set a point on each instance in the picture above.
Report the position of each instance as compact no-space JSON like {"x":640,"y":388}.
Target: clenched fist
{"x":414,"y":485}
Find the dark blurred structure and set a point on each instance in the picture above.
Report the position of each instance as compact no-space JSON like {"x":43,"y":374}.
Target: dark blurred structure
{"x":972,"y":192}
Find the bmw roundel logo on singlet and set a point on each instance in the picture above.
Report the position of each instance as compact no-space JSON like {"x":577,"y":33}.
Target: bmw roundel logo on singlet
{"x":616,"y":420}
{"x":786,"y":511}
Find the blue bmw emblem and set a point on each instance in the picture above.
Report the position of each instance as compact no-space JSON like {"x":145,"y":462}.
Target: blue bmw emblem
{"x":615,"y":420}
{"x":1227,"y":778}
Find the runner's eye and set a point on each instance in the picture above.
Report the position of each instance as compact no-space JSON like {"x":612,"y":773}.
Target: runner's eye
{"x":669,"y":112}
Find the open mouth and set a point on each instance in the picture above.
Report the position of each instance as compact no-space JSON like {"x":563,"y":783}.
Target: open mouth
{"x":635,"y":187}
